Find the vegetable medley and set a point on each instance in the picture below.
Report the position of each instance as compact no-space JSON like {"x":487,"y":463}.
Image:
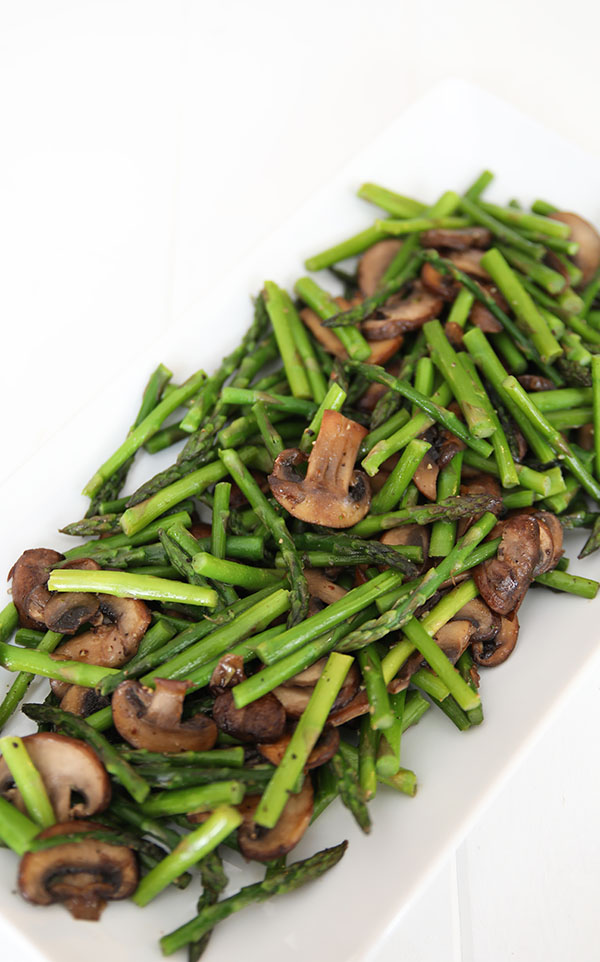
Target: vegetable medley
{"x":387,"y":473}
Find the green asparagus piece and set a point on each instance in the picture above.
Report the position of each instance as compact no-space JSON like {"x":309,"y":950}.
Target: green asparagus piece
{"x":350,"y":791}
{"x":27,"y":780}
{"x":395,"y":204}
{"x":16,"y":830}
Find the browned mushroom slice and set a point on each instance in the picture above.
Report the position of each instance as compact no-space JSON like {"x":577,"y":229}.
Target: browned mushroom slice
{"x":84,"y":875}
{"x":486,"y":623}
{"x":409,"y":534}
{"x":494,"y":652}
{"x":551,"y":539}
{"x":443,"y":285}
{"x":75,"y":778}
{"x":460,"y":239}
{"x":151,"y":719}
{"x":262,"y":720}
{"x":470,"y":263}
{"x":333,"y":493}
{"x":324,"y":335}
{"x":535,"y":382}
{"x":482,"y":317}
{"x":480,"y":484}
{"x":201,"y":530}
{"x":326,"y":747}
{"x":382,"y":351}
{"x":455,"y":334}
{"x":83,"y":701}
{"x":504,"y":580}
{"x":426,"y":475}
{"x":295,"y":698}
{"x":229,"y":671}
{"x":28,"y":572}
{"x":308,"y":677}
{"x":374,"y":263}
{"x":67,"y":611}
{"x":587,"y":257}
{"x":401,"y":314}
{"x":586,"y":437}
{"x":110,"y":645}
{"x":264,"y":845}
{"x":322,"y":588}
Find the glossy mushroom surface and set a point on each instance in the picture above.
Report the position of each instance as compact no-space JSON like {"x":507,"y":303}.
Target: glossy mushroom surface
{"x":151,"y":718}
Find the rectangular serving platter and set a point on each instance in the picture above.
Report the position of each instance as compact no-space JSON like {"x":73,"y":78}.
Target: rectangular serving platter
{"x":348,"y":912}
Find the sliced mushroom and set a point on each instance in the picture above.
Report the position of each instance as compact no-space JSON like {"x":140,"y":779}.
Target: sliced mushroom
{"x":402,"y":314}
{"x":83,"y":875}
{"x":326,"y":747}
{"x":426,"y":475}
{"x":551,"y":539}
{"x":586,"y":437}
{"x":295,"y":698}
{"x":262,"y":720}
{"x":486,"y":623}
{"x":504,"y":580}
{"x":264,"y":845}
{"x":443,"y":285}
{"x":494,"y":652}
{"x":30,"y":571}
{"x":409,"y":534}
{"x":113,"y":644}
{"x":481,"y":317}
{"x":477,"y":485}
{"x":374,"y":263}
{"x":322,"y":588}
{"x":535,"y":382}
{"x":455,"y":334}
{"x":200,"y":530}
{"x":151,"y":719}
{"x":583,"y":233}
{"x":324,"y":335}
{"x":382,"y":351}
{"x":65,"y":612}
{"x":83,"y":701}
{"x":460,"y":239}
{"x":309,"y":677}
{"x":470,"y":263}
{"x":75,"y":778}
{"x":229,"y":672}
{"x":333,"y":493}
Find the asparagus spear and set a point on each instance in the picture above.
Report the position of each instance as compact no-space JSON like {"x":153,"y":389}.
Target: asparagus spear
{"x":350,"y":791}
{"x":286,"y":880}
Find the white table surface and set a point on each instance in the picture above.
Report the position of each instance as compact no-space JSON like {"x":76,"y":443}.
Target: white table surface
{"x":148,"y":145}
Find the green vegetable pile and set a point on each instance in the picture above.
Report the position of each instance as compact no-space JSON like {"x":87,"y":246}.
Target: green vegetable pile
{"x":387,"y":472}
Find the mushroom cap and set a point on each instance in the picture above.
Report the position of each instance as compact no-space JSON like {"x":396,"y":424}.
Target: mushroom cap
{"x":333,"y":493}
{"x":443,"y":285}
{"x":503,"y":581}
{"x":458,"y":239}
{"x":486,"y":623}
{"x":31,"y":570}
{"x":66,"y":611}
{"x":488,"y":654}
{"x":321,"y":587}
{"x":83,"y":701}
{"x":401,"y":314}
{"x":113,"y":644}
{"x":295,"y":698}
{"x":265,"y":845}
{"x":66,"y":765}
{"x":416,"y":535}
{"x":262,"y":720}
{"x":151,"y":718}
{"x":83,"y":874}
{"x":583,"y":233}
{"x":374,"y":263}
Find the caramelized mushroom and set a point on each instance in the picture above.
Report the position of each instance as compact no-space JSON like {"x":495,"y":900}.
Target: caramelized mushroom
{"x":113,"y":644}
{"x":409,"y":534}
{"x":324,"y":750}
{"x":443,"y":285}
{"x":374,"y":263}
{"x":469,"y":262}
{"x":151,"y":719}
{"x":83,"y":875}
{"x":264,"y":845}
{"x":495,"y":651}
{"x":322,"y":588}
{"x":30,"y":571}
{"x":460,"y":239}
{"x":82,"y":701}
{"x":426,"y":475}
{"x":587,"y":257}
{"x":535,"y":382}
{"x":75,"y":778}
{"x":333,"y":493}
{"x":504,"y":580}
{"x":402,"y":314}
{"x":486,"y":623}
{"x":295,"y":697}
{"x":262,"y":720}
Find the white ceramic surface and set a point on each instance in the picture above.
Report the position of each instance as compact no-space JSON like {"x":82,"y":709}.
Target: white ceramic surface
{"x":351,"y":908}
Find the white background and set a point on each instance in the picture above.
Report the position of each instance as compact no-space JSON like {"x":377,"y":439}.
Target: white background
{"x":146,"y":146}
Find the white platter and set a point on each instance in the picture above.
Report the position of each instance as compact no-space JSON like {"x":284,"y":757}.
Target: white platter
{"x":441,"y":142}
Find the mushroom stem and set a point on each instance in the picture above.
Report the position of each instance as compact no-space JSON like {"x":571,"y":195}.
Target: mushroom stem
{"x":27,"y":780}
{"x":193,"y":847}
